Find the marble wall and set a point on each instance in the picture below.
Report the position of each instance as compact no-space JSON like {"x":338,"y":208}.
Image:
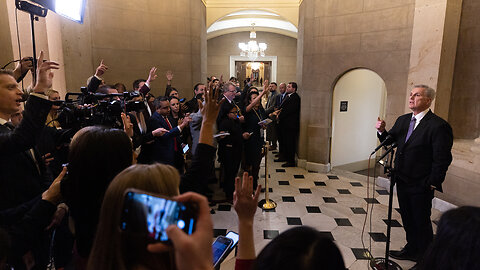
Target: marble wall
{"x":133,"y":36}
{"x":341,"y":35}
{"x":464,"y":113}
{"x":5,"y":41}
{"x":221,"y":48}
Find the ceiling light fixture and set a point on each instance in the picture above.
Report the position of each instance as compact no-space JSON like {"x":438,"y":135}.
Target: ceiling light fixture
{"x":251,"y":49}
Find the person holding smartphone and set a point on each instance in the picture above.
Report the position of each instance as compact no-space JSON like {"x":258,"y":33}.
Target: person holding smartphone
{"x":115,"y":250}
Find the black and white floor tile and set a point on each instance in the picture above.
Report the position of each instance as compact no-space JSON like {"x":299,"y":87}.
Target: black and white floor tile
{"x":333,"y":203}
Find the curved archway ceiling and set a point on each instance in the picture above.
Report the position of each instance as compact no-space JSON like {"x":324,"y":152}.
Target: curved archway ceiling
{"x":242,"y":21}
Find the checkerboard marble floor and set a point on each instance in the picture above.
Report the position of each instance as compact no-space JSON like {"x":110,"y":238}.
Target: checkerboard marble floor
{"x":334,"y":203}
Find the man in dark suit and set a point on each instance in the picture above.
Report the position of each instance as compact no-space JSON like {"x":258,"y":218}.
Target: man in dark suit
{"x":229,"y":92}
{"x":21,"y":167}
{"x":22,"y":170}
{"x":289,"y":123}
{"x":192,"y":104}
{"x":423,"y":155}
{"x":163,"y":148}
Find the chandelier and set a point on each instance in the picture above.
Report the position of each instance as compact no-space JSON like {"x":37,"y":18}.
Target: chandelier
{"x":252,"y":49}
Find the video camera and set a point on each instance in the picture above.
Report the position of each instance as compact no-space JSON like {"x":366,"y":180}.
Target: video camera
{"x":89,"y":109}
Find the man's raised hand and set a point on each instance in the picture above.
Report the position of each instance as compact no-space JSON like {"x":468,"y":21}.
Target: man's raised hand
{"x":152,"y":75}
{"x":44,"y":74}
{"x":380,"y":126}
{"x":169,"y":75}
{"x":101,"y":69}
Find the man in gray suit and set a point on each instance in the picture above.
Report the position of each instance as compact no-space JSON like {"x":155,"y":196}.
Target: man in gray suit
{"x":269,"y":108}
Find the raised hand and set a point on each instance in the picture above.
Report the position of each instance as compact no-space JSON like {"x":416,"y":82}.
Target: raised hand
{"x":52,"y":194}
{"x":169,"y":75}
{"x":152,"y":75}
{"x":244,"y":200}
{"x":101,"y":69}
{"x":127,"y":124}
{"x":245,"y":204}
{"x":44,"y":74}
{"x":380,"y":126}
{"x":212,"y":105}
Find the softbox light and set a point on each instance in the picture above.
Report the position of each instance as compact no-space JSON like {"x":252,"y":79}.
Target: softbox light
{"x":71,"y":9}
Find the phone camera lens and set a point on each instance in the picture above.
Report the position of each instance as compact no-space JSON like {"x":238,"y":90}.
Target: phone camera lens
{"x":181,"y":224}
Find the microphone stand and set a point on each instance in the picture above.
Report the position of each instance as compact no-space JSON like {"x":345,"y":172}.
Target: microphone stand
{"x":381,"y":263}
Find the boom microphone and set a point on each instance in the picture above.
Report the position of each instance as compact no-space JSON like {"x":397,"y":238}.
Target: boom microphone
{"x":387,"y":141}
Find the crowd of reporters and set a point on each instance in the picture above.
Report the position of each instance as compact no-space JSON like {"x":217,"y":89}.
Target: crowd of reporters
{"x":63,"y":179}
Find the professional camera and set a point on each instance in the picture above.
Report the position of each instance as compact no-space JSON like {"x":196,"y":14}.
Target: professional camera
{"x":90,"y":109}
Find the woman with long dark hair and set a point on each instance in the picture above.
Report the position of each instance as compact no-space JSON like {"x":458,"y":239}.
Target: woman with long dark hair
{"x":97,"y":154}
{"x":254,"y":113}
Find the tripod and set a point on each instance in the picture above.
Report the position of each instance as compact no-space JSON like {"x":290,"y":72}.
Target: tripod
{"x":382,"y":263}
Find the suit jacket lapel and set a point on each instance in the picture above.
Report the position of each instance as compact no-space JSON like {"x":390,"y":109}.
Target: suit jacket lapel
{"x":423,"y":123}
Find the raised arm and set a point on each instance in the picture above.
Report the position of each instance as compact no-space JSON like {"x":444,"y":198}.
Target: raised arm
{"x":209,"y":112}
{"x":257,"y":100}
{"x":245,"y":205}
{"x":35,"y":114}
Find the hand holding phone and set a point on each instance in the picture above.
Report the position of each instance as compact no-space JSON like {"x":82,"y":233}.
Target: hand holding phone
{"x":191,"y":251}
{"x":150,"y":215}
{"x":222,"y":246}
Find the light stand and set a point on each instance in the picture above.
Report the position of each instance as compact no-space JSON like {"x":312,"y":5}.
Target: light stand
{"x":35,"y":12}
{"x":382,"y":263}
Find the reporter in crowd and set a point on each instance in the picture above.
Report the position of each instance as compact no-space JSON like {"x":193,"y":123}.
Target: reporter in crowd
{"x":113,"y":250}
{"x":230,"y":148}
{"x":198,"y":91}
{"x":163,"y":148}
{"x":20,"y":186}
{"x":456,"y":244}
{"x":176,"y":118}
{"x":254,"y":113}
{"x":24,"y":233}
{"x":21,"y":189}
{"x":97,"y":154}
{"x":51,"y":121}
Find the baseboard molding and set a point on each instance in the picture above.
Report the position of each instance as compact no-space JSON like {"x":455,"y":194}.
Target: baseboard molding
{"x":354,"y":166}
{"x":437,"y":203}
{"x":312,"y":166}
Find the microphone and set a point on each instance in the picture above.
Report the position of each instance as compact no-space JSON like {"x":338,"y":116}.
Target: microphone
{"x":24,"y":97}
{"x":393,"y":146}
{"x":387,"y":141}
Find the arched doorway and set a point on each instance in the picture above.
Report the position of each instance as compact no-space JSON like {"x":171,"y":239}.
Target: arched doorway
{"x":358,"y":99}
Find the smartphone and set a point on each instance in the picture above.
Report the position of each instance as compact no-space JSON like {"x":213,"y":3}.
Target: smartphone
{"x":220,"y":249}
{"x":149,"y":215}
{"x":186,"y":148}
{"x":234,"y":236}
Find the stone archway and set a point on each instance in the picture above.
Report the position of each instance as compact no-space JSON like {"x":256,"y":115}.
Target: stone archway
{"x":358,"y":99}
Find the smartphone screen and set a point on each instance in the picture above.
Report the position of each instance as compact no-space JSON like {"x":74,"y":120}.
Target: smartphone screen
{"x":150,"y":215}
{"x":185,"y":149}
{"x":219,"y":248}
{"x":234,"y":237}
